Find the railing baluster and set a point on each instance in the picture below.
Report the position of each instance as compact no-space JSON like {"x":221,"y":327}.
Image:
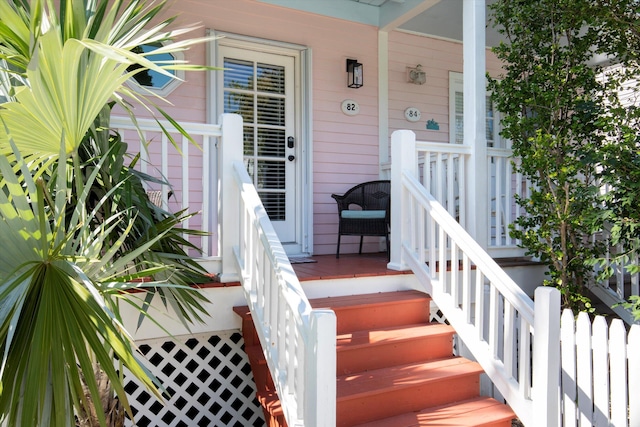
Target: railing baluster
{"x":422,"y":233}
{"x":186,"y":176}
{"x":432,"y":246}
{"x":494,"y":309}
{"x":509,"y":339}
{"x":498,"y":196}
{"x":509,"y":200}
{"x":439,"y":179}
{"x":524,"y":359}
{"x":480,"y":308}
{"x":451,"y":202}
{"x":462,"y":191}
{"x":466,"y":287}
{"x":207,"y":214}
{"x":454,"y":271}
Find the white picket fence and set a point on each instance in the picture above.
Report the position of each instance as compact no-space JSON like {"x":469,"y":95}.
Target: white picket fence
{"x":600,"y":372}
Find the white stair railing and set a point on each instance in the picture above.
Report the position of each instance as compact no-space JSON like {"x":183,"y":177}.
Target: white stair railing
{"x":517,"y":347}
{"x":299,"y":343}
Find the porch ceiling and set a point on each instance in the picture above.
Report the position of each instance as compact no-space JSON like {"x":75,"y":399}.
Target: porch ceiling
{"x":439,"y":18}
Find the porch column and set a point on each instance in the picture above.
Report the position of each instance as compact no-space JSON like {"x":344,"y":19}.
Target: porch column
{"x":403,"y":159}
{"x":229,"y":153}
{"x":473,"y":38}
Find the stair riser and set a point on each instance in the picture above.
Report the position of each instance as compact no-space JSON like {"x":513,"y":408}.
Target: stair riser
{"x":362,"y":359}
{"x":386,"y":315}
{"x":389,"y":403}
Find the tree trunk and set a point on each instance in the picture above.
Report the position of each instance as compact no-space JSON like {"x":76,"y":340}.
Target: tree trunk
{"x":113,"y":410}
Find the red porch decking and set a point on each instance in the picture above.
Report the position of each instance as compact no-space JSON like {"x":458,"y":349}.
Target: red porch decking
{"x":347,"y":266}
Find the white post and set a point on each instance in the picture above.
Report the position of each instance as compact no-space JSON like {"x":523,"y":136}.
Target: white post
{"x":229,"y":152}
{"x":403,"y":158}
{"x":545,"y":387}
{"x":320,"y":396}
{"x":474,"y":82}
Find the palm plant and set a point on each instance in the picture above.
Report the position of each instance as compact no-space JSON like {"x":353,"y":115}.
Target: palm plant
{"x":78,"y":249}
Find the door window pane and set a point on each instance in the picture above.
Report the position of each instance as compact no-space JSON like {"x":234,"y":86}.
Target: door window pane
{"x":238,"y":74}
{"x":271,"y":142}
{"x":274,"y":204}
{"x":270,"y":78}
{"x":270,"y":111}
{"x":239,"y":103}
{"x":248,"y":145}
{"x":271,"y":175}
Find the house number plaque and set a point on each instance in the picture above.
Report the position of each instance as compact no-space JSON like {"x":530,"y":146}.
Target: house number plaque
{"x":350,"y":107}
{"x":412,"y":114}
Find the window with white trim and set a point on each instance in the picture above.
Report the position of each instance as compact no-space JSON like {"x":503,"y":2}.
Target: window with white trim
{"x":456,"y":115}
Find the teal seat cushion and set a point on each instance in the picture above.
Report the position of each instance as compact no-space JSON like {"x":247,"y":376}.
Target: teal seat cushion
{"x":364,"y":214}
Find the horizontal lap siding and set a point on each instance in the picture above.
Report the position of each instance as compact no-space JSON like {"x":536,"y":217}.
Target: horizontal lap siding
{"x":438,"y":58}
{"x":345,"y":148}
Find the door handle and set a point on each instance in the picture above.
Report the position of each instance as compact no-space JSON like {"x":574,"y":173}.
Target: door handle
{"x":290,"y":142}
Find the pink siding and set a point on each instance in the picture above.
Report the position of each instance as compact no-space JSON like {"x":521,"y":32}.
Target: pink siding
{"x":438,"y":58}
{"x":345,"y":148}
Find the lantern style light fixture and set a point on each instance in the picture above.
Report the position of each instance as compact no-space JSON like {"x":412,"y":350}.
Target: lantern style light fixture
{"x":354,"y":73}
{"x":416,"y":75}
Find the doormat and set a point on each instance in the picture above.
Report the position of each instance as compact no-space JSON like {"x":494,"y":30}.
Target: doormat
{"x":301,"y":260}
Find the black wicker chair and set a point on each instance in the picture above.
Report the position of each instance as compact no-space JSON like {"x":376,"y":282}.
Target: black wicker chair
{"x":364,"y":211}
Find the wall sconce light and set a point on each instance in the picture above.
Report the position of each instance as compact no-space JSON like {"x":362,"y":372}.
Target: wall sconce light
{"x":416,"y":75}
{"x":354,"y":73}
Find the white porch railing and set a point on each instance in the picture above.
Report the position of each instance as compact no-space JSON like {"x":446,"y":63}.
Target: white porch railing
{"x":503,"y":185}
{"x":620,"y":286}
{"x":299,"y":342}
{"x":443,"y":169}
{"x":189,"y":169}
{"x":499,"y":330}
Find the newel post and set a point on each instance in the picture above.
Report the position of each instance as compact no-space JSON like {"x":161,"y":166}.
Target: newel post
{"x":229,"y":153}
{"x":320,"y":392}
{"x":403,"y":159}
{"x":545,"y":388}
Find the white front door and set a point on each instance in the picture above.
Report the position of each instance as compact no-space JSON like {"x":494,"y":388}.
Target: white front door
{"x":261,"y":88}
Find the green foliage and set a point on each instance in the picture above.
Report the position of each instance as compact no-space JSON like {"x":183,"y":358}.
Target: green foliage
{"x":58,"y":312}
{"x":634,"y":306}
{"x":80,"y":235}
{"x":574,"y":133}
{"x":620,"y":154}
{"x":551,"y":102}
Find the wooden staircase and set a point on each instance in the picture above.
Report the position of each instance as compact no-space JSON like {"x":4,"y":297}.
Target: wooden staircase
{"x":394,"y":367}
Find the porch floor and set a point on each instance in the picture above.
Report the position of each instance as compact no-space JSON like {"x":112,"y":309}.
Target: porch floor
{"x":348,"y":265}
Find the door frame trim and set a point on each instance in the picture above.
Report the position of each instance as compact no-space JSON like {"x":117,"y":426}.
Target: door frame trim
{"x":303,"y":115}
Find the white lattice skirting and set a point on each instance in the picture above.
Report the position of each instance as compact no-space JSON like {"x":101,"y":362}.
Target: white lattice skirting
{"x":208,"y":380}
